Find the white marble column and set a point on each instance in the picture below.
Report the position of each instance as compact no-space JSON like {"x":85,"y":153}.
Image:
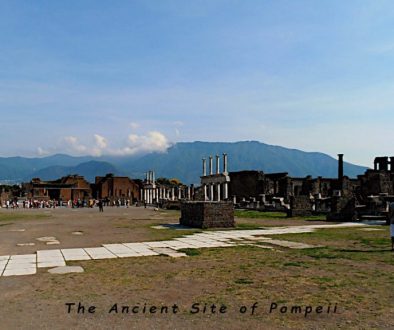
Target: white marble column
{"x":218,"y":191}
{"x":225,"y":192}
{"x":204,"y":167}
{"x":179,"y":193}
{"x":205,"y":193}
{"x":217,"y":164}
{"x":210,"y":165}
{"x":211,"y":196}
{"x":172,"y":193}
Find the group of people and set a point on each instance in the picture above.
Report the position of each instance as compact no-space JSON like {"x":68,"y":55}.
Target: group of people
{"x":53,"y":203}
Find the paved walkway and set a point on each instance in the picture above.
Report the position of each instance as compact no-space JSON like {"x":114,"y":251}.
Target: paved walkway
{"x":27,"y":264}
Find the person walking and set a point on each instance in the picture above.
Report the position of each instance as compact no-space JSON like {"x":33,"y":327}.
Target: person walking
{"x":100,"y":205}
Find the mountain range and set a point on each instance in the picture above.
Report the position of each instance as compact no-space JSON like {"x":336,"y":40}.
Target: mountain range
{"x":182,"y":161}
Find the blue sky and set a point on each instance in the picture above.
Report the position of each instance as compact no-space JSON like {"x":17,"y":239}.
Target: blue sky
{"x":122,"y":77}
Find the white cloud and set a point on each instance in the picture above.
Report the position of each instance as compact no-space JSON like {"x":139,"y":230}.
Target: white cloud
{"x":73,"y":144}
{"x":101,"y":141}
{"x":152,"y":141}
{"x":42,"y":152}
{"x":134,"y":126}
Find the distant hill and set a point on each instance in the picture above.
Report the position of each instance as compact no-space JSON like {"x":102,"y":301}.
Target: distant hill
{"x":18,"y":168}
{"x":182,"y":161}
{"x":89,"y":170}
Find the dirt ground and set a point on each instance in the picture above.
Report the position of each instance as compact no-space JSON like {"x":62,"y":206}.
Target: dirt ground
{"x":354,"y":272}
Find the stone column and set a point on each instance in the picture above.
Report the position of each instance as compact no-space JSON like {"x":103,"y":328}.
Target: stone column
{"x":225,"y":163}
{"x":340,"y":167}
{"x":217,"y":164}
{"x":204,"y":167}
{"x":218,"y":191}
{"x":188,"y":193}
{"x":141,"y":194}
{"x":145,"y":195}
{"x":172,"y":193}
{"x":179,"y":193}
{"x":210,"y":165}
{"x":225,"y":192}
{"x":205,"y":193}
{"x":211,"y":197}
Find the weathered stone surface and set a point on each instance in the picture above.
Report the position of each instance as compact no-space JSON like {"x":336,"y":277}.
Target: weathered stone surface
{"x":46,"y":239}
{"x":207,"y":214}
{"x":25,"y":244}
{"x":66,"y":270}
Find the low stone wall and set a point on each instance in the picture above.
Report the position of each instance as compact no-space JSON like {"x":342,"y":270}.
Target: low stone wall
{"x":207,"y":214}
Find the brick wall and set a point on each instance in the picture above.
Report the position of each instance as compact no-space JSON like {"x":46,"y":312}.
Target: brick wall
{"x":207,"y":214}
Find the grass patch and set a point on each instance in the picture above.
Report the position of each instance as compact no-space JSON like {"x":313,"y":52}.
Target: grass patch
{"x":294,"y":264}
{"x":243,"y":281}
{"x":191,"y":252}
{"x":259,"y":215}
{"x":21,"y":216}
{"x":246,"y":226}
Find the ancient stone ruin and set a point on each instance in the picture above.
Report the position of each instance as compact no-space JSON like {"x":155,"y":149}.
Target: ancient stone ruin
{"x":206,"y":214}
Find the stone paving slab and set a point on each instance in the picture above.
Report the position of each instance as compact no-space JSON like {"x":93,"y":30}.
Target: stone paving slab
{"x":141,"y":249}
{"x":66,"y":270}
{"x":258,"y":238}
{"x":99,"y":253}
{"x":158,"y":244}
{"x":26,"y":257}
{"x":50,"y":258}
{"x":2,"y":266}
{"x":27,"y":264}
{"x":19,"y":272}
{"x":75,"y":254}
{"x":292,"y":245}
{"x":169,"y":252}
{"x":147,"y":253}
{"x":121,"y":250}
{"x":51,"y":263}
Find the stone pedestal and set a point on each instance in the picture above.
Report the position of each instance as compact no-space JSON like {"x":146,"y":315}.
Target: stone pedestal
{"x":207,"y":214}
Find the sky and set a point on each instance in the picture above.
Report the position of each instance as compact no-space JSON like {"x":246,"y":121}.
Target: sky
{"x":128,"y":77}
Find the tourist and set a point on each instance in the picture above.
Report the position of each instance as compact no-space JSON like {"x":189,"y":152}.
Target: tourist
{"x":100,"y":205}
